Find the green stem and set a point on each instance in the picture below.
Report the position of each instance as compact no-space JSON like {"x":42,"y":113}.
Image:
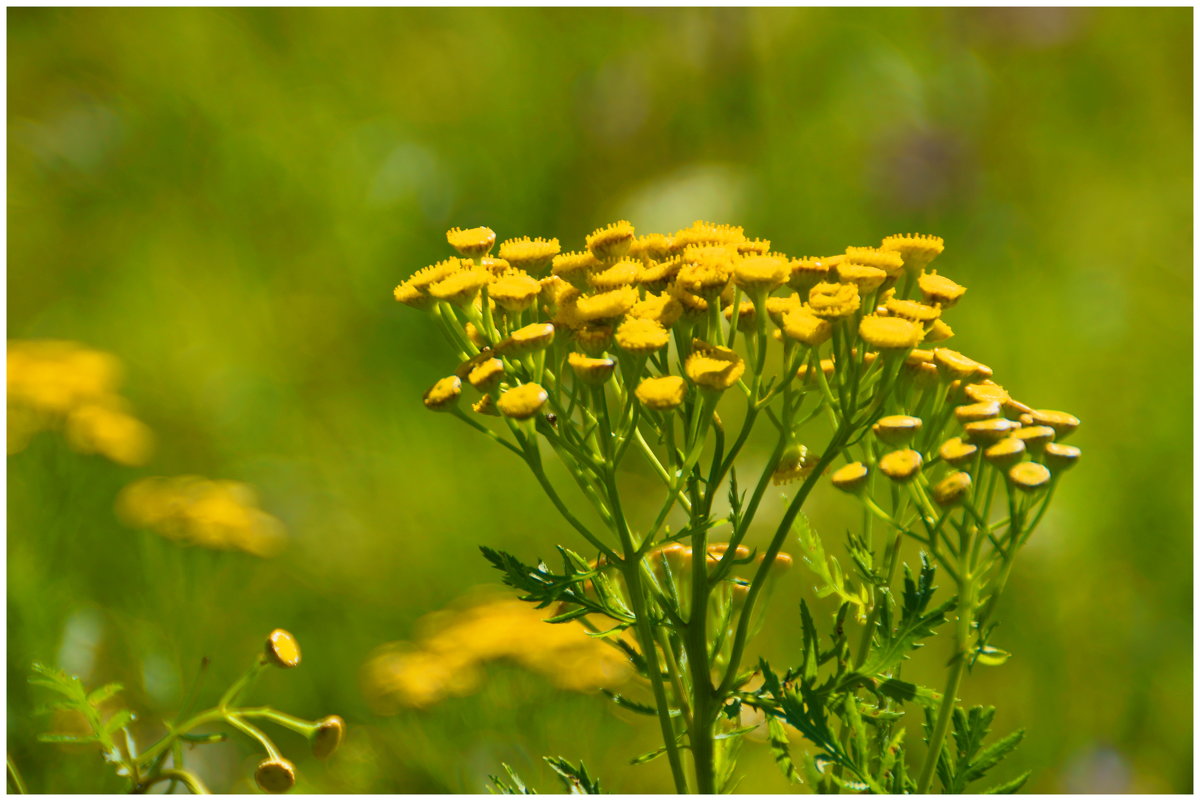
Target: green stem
{"x":946,"y":710}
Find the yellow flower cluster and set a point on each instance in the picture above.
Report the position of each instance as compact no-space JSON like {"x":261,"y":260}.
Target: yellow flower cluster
{"x":221,"y":515}
{"x":60,"y":385}
{"x":448,"y":659}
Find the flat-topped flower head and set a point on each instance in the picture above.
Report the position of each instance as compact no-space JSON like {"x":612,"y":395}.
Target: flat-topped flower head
{"x":624,"y":273}
{"x":866,"y":278}
{"x":443,"y":395}
{"x":754,"y":247}
{"x":662,"y":393}
{"x":656,"y":275}
{"x":832,"y":301}
{"x":486,"y":375}
{"x":473,"y":243}
{"x":897,"y":429}
{"x":912,"y":310}
{"x":851,"y":478}
{"x":1062,"y":423}
{"x":328,"y":736}
{"x":760,"y":272}
{"x":803,"y":326}
{"x":956,"y":452}
{"x":986,"y":391}
{"x":693,"y":305}
{"x":713,"y":367}
{"x":282,"y":649}
{"x":531,"y":255}
{"x":707,"y":233}
{"x":917,"y":250}
{"x":275,"y":775}
{"x":496,"y":267}
{"x":574,"y":267}
{"x":661,"y":308}
{"x":889,"y":261}
{"x":890,"y":333}
{"x":805,"y":273}
{"x":901,"y":466}
{"x":641,"y":336}
{"x":954,"y":365}
{"x":460,"y":288}
{"x":612,"y":241}
{"x":939,"y":289}
{"x":977,"y":411}
{"x":987,"y":431}
{"x":1006,"y":452}
{"x":410,"y":295}
{"x":796,"y":462}
{"x":939,"y":331}
{"x":514,"y":291}
{"x":952,"y":489}
{"x":777,"y":307}
{"x":523,"y":402}
{"x":426,"y":276}
{"x":606,"y":305}
{"x":527,"y":339}
{"x":652,"y":247}
{"x":1035,"y":437}
{"x":591,"y":370}
{"x":1029,"y":476}
{"x":706,"y":270}
{"x":1059,"y":457}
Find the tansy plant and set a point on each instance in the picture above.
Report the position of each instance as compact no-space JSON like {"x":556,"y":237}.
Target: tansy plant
{"x":163,"y":762}
{"x":676,"y":350}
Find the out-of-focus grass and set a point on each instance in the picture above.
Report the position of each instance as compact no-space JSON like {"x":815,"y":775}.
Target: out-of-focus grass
{"x":224,"y":198}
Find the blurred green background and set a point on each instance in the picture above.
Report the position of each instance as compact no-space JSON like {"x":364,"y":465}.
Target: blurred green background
{"x":225,"y":198}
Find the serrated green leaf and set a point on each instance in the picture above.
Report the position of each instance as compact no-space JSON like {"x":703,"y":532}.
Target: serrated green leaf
{"x":991,"y":756}
{"x":117,"y":722}
{"x":781,"y":751}
{"x":1009,"y":787}
{"x":899,"y":690}
{"x":101,"y":694}
{"x":632,"y":706}
{"x":576,"y":779}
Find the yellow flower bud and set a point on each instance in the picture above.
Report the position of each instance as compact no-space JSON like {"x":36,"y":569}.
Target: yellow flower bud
{"x":917,"y":250}
{"x":574,"y":267}
{"x":653,"y":247}
{"x":706,"y":233}
{"x":531,"y":255}
{"x":657,"y":274}
{"x":641,"y":336}
{"x":590,"y":370}
{"x":427,"y":276}
{"x":713,"y":367}
{"x":977,"y":411}
{"x":515,"y":292}
{"x":952,"y":489}
{"x":939,"y":331}
{"x":593,"y":337}
{"x":777,"y":308}
{"x":275,"y":775}
{"x":523,"y":402}
{"x":796,"y":462}
{"x":460,"y":288}
{"x":1006,"y":452}
{"x":444,"y":394}
{"x":662,"y":393}
{"x":485,"y":405}
{"x":760,"y":271}
{"x":606,"y":305}
{"x":889,"y":261}
{"x":985,"y":431}
{"x":1029,"y":476}
{"x":867,"y":279}
{"x":1062,"y":423}
{"x":663,"y":309}
{"x":527,"y":339}
{"x":985,"y":392}
{"x":753,"y":247}
{"x":955,"y":365}
{"x":1059,"y":457}
{"x":956,"y":452}
{"x":890,"y":333}
{"x":802,"y":325}
{"x":410,"y":295}
{"x":282,"y":649}
{"x":833,"y":300}
{"x":851,"y":478}
{"x":612,"y":241}
{"x":939,"y":289}
{"x":706,"y":270}
{"x":471,"y":242}
{"x":624,"y":273}
{"x":897,"y":429}
{"x":912,"y":310}
{"x":1035,"y":437}
{"x":486,"y":375}
{"x":328,"y":736}
{"x":806,"y":273}
{"x":901,"y":466}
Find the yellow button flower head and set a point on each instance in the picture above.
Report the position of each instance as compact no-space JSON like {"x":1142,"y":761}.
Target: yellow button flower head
{"x":444,"y":394}
{"x":662,"y":308}
{"x":977,"y":411}
{"x":804,"y":326}
{"x":986,"y":391}
{"x":805,"y":273}
{"x":985,"y":431}
{"x":953,"y":364}
{"x":1060,"y":457}
{"x":754,"y":247}
{"x":606,"y":305}
{"x":638,"y":335}
{"x":897,"y":429}
{"x":662,"y":393}
{"x":275,"y":775}
{"x":796,"y":462}
{"x":912,"y":310}
{"x":471,"y":242}
{"x":527,"y":339}
{"x":956,"y":452}
{"x":531,"y":255}
{"x":831,"y":300}
{"x":1035,"y":437}
{"x":692,"y":304}
{"x":939,"y":289}
{"x":707,"y":233}
{"x":901,"y":465}
{"x":1006,"y":452}
{"x":917,"y":250}
{"x":657,"y":274}
{"x":515,"y":292}
{"x":624,"y":273}
{"x":591,"y":370}
{"x":427,"y":276}
{"x":496,"y":267}
{"x":952,"y":489}
{"x":851,"y":478}
{"x":653,"y":247}
{"x":282,"y":649}
{"x":523,"y":402}
{"x":574,"y":267}
{"x":328,"y":736}
{"x":485,"y":376}
{"x":1062,"y":423}
{"x":889,"y":333}
{"x":485,"y":405}
{"x":410,"y":295}
{"x":1029,"y":476}
{"x":612,"y":241}
{"x":713,"y":367}
{"x":887,"y":260}
{"x":706,"y":270}
{"x":593,"y":337}
{"x":867,"y":279}
{"x":460,"y":288}
{"x":778,"y":307}
{"x":760,"y":272}
{"x":939,"y":331}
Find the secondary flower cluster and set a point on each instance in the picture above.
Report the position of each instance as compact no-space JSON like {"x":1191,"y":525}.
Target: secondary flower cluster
{"x":60,"y":385}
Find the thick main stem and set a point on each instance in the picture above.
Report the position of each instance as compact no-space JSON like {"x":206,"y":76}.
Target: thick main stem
{"x":946,"y":711}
